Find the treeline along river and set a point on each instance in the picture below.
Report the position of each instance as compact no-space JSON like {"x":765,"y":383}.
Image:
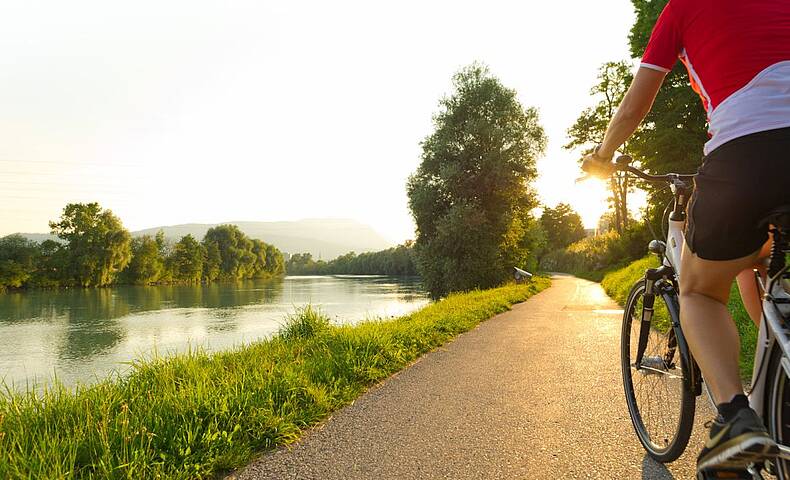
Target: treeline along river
{"x":80,"y":335}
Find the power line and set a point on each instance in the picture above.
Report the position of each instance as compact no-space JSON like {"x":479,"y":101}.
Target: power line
{"x":49,"y":174}
{"x":56,"y":162}
{"x":54,"y":184}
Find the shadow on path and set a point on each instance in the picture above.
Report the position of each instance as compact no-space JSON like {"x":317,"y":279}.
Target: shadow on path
{"x":653,"y":470}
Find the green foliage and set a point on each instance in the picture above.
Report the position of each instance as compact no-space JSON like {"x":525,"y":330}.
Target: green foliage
{"x":198,"y":415}
{"x":392,"y":261}
{"x":562,"y":226}
{"x":306,"y":323}
{"x":593,"y":256}
{"x":98,"y":244}
{"x":470,"y":196}
{"x":51,"y":265}
{"x":590,"y":128}
{"x":236,"y":260}
{"x":97,"y":248}
{"x":618,"y":284}
{"x":186,"y":260}
{"x":17,"y":261}
{"x":213,"y":261}
{"x":231,"y":255}
{"x":275,"y":262}
{"x":303,"y":264}
{"x":147,"y":265}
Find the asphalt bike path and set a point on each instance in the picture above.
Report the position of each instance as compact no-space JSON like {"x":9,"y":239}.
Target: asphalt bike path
{"x":535,"y":392}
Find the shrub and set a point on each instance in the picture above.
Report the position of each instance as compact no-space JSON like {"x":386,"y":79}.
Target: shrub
{"x":306,"y":323}
{"x":592,"y":256}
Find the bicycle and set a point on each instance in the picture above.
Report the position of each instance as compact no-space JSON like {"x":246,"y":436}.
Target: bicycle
{"x":660,"y":376}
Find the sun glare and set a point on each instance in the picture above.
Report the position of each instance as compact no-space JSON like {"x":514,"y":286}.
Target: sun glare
{"x":556,"y":184}
{"x":588,"y":197}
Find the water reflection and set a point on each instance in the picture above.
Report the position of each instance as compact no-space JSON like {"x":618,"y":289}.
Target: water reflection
{"x":81,"y":334}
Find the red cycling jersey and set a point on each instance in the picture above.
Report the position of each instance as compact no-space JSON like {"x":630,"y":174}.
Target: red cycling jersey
{"x":737,"y":53}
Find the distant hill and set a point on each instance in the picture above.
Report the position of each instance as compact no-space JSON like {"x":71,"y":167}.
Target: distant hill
{"x":38,"y":237}
{"x":327,"y":238}
{"x":324,"y":238}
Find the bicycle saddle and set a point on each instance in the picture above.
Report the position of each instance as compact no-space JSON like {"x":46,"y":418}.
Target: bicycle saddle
{"x":779,"y":216}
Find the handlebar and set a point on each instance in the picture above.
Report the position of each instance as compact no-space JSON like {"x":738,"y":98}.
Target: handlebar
{"x":623,"y":164}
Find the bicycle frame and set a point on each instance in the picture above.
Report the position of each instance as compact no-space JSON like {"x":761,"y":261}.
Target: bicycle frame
{"x":773,"y":332}
{"x":773,"y":344}
{"x":664,"y":281}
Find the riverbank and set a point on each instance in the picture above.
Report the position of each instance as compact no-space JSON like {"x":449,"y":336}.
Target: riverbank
{"x":618,"y":284}
{"x":198,"y":414}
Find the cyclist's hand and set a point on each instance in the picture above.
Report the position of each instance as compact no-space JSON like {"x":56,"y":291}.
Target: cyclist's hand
{"x":596,"y":166}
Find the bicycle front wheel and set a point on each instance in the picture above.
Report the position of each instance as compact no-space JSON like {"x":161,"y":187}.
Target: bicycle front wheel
{"x":660,"y":406}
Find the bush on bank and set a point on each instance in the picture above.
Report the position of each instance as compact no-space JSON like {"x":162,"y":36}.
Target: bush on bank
{"x":197,"y":414}
{"x":592,"y":257}
{"x":619,"y":282}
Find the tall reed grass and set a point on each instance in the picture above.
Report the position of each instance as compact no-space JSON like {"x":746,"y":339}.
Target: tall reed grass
{"x":198,"y":414}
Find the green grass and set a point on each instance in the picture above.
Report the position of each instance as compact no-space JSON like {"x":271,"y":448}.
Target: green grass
{"x":619,"y":282}
{"x":593,"y":276}
{"x":197,"y":415}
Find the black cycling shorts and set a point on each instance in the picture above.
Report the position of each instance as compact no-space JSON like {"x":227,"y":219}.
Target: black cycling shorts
{"x":738,"y":184}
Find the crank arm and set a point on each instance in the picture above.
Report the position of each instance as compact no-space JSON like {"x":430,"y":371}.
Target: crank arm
{"x":662,"y":372}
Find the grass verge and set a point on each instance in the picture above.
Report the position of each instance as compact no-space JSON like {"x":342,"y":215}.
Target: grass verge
{"x":619,"y":282}
{"x":198,"y":414}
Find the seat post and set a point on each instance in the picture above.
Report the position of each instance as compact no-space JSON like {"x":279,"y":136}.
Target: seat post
{"x":778,"y":249}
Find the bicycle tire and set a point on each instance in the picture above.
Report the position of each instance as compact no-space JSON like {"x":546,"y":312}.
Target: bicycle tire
{"x":778,"y":409}
{"x":674,"y":400}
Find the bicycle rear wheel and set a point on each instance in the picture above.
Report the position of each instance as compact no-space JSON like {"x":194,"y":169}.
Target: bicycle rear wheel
{"x":778,"y":410}
{"x":661,"y":407}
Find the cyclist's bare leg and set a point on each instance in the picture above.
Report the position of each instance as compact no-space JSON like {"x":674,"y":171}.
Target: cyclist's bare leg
{"x":707,"y":324}
{"x":748,"y":288}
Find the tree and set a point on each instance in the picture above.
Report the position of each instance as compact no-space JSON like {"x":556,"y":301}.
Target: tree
{"x":17,"y":261}
{"x":98,"y":244}
{"x":231,"y":255}
{"x":471,"y":195}
{"x":301,"y":264}
{"x":147,"y":265}
{"x":392,"y":261}
{"x":186,"y":260}
{"x":235,"y":251}
{"x":562,"y":225}
{"x":213,"y":263}
{"x":51,"y":265}
{"x":275,"y":263}
{"x":590,"y":128}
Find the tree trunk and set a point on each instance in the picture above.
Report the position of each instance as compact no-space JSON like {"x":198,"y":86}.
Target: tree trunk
{"x":624,"y":200}
{"x":618,"y":223}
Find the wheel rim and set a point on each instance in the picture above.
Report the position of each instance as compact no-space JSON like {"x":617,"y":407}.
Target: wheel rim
{"x":656,"y":399}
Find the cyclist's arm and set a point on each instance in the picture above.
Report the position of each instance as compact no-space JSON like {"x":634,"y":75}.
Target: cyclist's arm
{"x":632,"y":110}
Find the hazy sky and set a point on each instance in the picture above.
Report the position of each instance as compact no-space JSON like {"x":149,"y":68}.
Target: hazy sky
{"x":209,"y":111}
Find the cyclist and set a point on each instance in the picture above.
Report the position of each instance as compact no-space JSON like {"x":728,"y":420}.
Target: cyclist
{"x":737,"y":53}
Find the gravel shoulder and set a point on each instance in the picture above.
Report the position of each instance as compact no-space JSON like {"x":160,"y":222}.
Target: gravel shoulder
{"x":532,"y":393}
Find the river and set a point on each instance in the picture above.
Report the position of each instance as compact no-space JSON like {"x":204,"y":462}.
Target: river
{"x":81,"y":335}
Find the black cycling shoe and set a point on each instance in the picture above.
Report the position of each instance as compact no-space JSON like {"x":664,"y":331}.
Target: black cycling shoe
{"x":729,"y":474}
{"x":735,"y":444}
